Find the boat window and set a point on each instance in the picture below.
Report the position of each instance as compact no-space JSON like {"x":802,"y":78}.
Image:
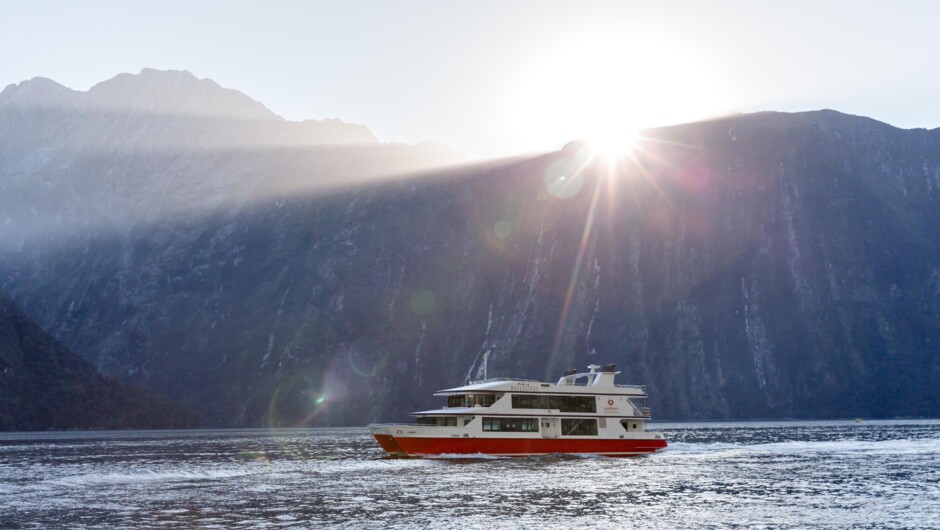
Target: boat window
{"x":471,"y":400}
{"x":511,"y":424}
{"x":438,"y":421}
{"x":579,"y":426}
{"x":627,"y":425}
{"x":561,"y":403}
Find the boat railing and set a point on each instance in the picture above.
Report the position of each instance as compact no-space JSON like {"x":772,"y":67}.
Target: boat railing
{"x":641,"y":387}
{"x":503,"y":380}
{"x":644,"y":412}
{"x":410,"y":424}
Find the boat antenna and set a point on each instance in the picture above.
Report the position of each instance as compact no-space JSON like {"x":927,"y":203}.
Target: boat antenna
{"x":486,"y":356}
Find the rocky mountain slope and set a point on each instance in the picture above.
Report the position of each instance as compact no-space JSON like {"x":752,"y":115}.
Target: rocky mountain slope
{"x":43,"y":386}
{"x":764,"y":265}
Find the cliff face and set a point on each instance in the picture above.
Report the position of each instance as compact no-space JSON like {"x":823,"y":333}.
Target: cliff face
{"x":766,"y":265}
{"x":43,"y":386}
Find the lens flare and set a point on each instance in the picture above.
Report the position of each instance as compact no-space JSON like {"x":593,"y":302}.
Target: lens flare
{"x":502,"y":229}
{"x":296,"y":401}
{"x":422,"y":302}
{"x":564,"y":178}
{"x":365,"y":360}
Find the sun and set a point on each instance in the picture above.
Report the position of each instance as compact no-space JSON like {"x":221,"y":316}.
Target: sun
{"x":606,"y":87}
{"x":614,"y":144}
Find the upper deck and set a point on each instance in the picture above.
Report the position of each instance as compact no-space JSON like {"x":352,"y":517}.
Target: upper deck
{"x":598,"y":381}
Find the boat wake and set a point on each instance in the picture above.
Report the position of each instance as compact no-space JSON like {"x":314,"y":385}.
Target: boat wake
{"x":464,"y":456}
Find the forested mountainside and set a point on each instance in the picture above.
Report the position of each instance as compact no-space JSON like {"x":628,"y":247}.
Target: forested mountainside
{"x":757,"y":266}
{"x":43,"y":386}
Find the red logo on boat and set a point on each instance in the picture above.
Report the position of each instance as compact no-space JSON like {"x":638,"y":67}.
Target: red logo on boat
{"x":610,"y":402}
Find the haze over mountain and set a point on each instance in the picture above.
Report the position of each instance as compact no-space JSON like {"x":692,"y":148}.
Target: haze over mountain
{"x":264,"y":272}
{"x":141,"y":148}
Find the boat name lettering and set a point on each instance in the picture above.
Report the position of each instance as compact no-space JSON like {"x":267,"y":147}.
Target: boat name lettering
{"x":524,"y":387}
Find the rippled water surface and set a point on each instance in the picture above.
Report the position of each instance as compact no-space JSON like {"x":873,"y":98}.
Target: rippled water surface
{"x":713,"y":475}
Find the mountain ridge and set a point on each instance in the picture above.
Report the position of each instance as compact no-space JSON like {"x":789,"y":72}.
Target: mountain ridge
{"x":168,"y":92}
{"x":768,"y":265}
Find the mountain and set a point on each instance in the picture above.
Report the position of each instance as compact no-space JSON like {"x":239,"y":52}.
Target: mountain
{"x":765,"y":265}
{"x":43,"y":386}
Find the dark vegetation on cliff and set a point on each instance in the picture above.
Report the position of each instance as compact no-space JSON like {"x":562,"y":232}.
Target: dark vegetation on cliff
{"x":757,"y":266}
{"x":43,"y":386}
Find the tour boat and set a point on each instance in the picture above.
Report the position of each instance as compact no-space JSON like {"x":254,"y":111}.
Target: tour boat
{"x":583,"y":413}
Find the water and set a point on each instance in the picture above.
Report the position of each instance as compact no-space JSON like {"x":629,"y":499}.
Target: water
{"x":714,"y":475}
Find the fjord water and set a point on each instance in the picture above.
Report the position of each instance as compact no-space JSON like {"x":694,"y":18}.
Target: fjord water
{"x":873,"y":474}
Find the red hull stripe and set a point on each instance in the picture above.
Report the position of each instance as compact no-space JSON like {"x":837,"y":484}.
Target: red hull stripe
{"x":518,"y":446}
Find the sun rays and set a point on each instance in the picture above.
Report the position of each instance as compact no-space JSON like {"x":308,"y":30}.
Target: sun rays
{"x":625,"y":173}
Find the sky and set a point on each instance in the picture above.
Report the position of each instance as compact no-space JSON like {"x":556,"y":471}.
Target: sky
{"x":500,"y":78}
